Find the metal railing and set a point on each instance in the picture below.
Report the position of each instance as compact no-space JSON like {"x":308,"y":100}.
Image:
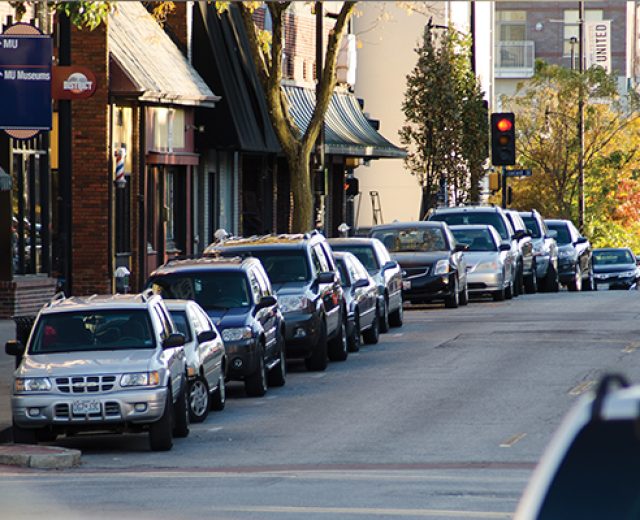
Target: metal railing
{"x":515,"y":59}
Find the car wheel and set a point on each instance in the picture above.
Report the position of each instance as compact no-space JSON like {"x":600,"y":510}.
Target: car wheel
{"x":396,"y":318}
{"x":317,"y":361}
{"x":464,"y":295}
{"x":160,"y":432}
{"x":518,"y":282}
{"x":576,"y":284}
{"x":590,"y":284}
{"x":384,"y":316}
{"x":531,"y":282}
{"x":453,"y":300}
{"x":354,"y":337}
{"x":508,"y":291}
{"x":551,"y":280}
{"x":219,"y":396}
{"x":338,"y":348}
{"x":181,"y":413}
{"x":278,"y":374}
{"x":198,"y":400}
{"x":24,"y":435}
{"x":371,"y":336}
{"x":256,"y":384}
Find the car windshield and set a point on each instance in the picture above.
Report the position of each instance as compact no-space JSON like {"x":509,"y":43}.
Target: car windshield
{"x":212,"y":290}
{"x":365,"y":254}
{"x":344,"y":276}
{"x":180,"y":319}
{"x":481,"y":217}
{"x":564,"y":237}
{"x":284,"y":266}
{"x":407,"y":240}
{"x":92,"y":330}
{"x":532,"y":225}
{"x":476,"y":239}
{"x":620,"y":256}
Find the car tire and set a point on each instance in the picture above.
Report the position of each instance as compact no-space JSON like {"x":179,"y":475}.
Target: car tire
{"x":317,"y":361}
{"x":453,"y":300}
{"x":219,"y":396}
{"x":531,"y":282}
{"x":396,"y":318}
{"x":338,"y":348}
{"x":590,"y":284}
{"x":498,"y":296}
{"x":464,"y":295}
{"x":518,"y":283}
{"x":24,"y":435}
{"x":384,"y":316}
{"x":575,"y":285}
{"x":181,"y":413}
{"x":508,"y":291}
{"x":256,"y":384}
{"x":160,"y":432}
{"x":371,"y":336}
{"x":354,"y":337}
{"x":199,"y":399}
{"x":278,"y":374}
{"x":551,"y":280}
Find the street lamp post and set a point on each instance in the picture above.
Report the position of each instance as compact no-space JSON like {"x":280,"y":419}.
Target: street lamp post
{"x":581,"y":205}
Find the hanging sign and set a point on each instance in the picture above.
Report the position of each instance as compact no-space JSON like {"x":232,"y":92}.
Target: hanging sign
{"x":73,"y":83}
{"x":598,"y":44}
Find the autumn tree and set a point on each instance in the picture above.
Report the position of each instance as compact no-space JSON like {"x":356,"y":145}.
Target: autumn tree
{"x":446,"y":119}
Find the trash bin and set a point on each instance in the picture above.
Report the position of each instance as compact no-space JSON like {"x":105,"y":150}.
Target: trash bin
{"x":24,"y":324}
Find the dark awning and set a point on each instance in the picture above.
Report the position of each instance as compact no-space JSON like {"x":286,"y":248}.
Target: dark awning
{"x":221,"y":54}
{"x":347,"y":130}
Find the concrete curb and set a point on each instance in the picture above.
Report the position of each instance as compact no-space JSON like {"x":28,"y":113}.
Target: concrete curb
{"x":39,"y":457}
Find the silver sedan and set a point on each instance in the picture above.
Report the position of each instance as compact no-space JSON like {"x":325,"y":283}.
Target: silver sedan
{"x":488,"y":262}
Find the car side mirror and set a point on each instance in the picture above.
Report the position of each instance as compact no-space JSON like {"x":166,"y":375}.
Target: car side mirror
{"x":362,"y":282}
{"x":505,"y":247}
{"x":207,"y":335}
{"x":326,"y":277}
{"x":266,"y":301}
{"x":13,"y":347}
{"x":581,"y":240}
{"x":175,"y":339}
{"x":460,"y":248}
{"x":391,"y":264}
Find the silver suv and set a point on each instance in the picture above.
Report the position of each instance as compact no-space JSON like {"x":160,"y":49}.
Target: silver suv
{"x":112,"y":362}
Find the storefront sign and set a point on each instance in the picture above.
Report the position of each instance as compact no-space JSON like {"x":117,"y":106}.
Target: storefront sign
{"x":73,"y":83}
{"x":598,"y":44}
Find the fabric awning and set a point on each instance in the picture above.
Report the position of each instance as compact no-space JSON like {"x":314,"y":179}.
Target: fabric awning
{"x":157,"y":70}
{"x":347,"y":130}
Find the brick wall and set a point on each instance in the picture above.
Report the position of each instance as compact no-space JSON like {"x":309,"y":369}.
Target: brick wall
{"x":24,"y":295}
{"x":92,"y":178}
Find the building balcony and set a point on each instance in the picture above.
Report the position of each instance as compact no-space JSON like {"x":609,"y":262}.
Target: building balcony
{"x":515,"y":59}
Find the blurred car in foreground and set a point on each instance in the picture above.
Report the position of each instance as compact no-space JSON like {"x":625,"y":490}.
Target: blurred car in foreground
{"x":589,"y":470}
{"x":385,"y":271}
{"x":487,"y":257}
{"x":545,"y":251}
{"x":615,"y":268}
{"x":361,"y":296}
{"x":574,"y":256}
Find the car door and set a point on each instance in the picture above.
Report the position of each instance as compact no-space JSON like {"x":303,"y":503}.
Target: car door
{"x":267,"y":316}
{"x":367,"y":296}
{"x":583,"y":248}
{"x":211,"y":352}
{"x":392,"y":277}
{"x":457,"y":258}
{"x":328,"y":291}
{"x":171,"y":356}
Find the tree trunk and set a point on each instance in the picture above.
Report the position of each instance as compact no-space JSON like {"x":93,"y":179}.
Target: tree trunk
{"x":302,"y":190}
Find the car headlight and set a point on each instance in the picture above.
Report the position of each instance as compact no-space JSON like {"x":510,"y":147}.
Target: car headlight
{"x":488,"y":266}
{"x":32,"y":384}
{"x":627,"y":274}
{"x":442,"y":267}
{"x":237,"y":334}
{"x":293,"y":303}
{"x":140,"y":379}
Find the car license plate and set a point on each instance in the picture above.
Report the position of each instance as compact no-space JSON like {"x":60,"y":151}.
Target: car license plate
{"x":85,"y":407}
{"x":406,"y":285}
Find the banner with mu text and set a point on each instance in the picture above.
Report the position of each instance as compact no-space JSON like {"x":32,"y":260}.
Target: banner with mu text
{"x":597,"y":40}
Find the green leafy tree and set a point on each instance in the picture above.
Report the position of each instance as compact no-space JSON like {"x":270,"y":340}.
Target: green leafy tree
{"x":446,"y":120}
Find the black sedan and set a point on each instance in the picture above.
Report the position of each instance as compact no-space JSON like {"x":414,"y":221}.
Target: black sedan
{"x":615,"y":268}
{"x":361,"y":296}
{"x":432,"y":262}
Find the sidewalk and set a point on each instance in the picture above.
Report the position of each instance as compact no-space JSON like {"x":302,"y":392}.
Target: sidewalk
{"x":7,"y":365}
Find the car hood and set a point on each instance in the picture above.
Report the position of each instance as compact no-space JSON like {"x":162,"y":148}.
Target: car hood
{"x":227,"y":318}
{"x":473,"y":258}
{"x":87,"y":362}
{"x":614,"y":268}
{"x":289,"y":288}
{"x":419,"y":259}
{"x":566,"y":247}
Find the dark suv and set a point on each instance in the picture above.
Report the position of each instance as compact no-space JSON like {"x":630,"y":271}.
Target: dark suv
{"x":237,"y":296}
{"x":304,"y":275}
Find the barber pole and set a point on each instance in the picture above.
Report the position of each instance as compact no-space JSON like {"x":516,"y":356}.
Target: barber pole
{"x":119,"y":154}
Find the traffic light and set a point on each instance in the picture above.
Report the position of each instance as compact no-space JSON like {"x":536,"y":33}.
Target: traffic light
{"x":503,"y":139}
{"x":351,"y":186}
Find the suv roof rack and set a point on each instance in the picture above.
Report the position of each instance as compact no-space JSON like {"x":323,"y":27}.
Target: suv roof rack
{"x":57,"y":297}
{"x":146,"y":295}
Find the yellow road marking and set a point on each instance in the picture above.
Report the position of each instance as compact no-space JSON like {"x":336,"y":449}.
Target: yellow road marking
{"x":512,"y":440}
{"x":631,"y":347}
{"x":581,"y":388}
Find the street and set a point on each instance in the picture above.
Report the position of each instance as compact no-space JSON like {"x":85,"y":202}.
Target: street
{"x":444,"y":418}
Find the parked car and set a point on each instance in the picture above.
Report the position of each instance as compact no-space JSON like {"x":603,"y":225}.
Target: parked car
{"x":487,"y":258}
{"x":575,"y":267}
{"x":615,"y":268}
{"x":237,"y":296}
{"x":205,"y":358}
{"x":589,"y":470}
{"x":304,"y":275}
{"x":433,"y":265}
{"x":385,"y":271}
{"x":103,"y":363}
{"x":527,"y":277}
{"x":490,"y":215}
{"x":361,"y":297}
{"x":545,"y":251}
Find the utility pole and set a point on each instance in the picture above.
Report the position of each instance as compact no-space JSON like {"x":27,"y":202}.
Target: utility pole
{"x":581,"y":205}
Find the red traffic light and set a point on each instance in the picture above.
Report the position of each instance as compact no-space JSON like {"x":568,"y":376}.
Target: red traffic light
{"x":504,"y":125}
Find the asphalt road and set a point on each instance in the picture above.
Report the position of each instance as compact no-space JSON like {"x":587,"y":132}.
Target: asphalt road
{"x":444,"y":418}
